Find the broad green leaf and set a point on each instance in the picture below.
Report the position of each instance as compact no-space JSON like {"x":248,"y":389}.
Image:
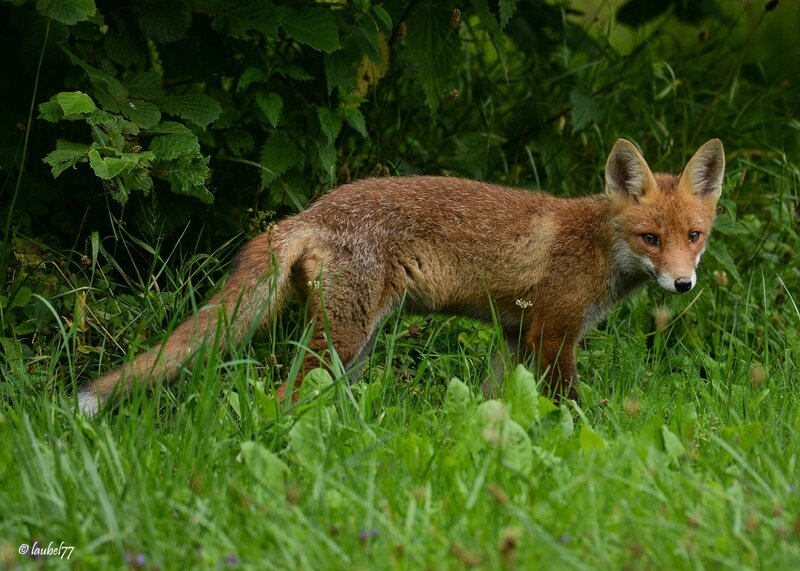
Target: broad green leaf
{"x":164,"y":21}
{"x":145,"y":85}
{"x":12,"y":351}
{"x":170,"y":127}
{"x":99,"y":78}
{"x":106,"y":167}
{"x":143,"y":113}
{"x":340,"y":72}
{"x":486,"y":17}
{"x":271,"y":105}
{"x":330,"y":123}
{"x":315,"y":383}
{"x":491,"y":412}
{"x":522,"y":395}
{"x":51,"y":111}
{"x":106,"y":101}
{"x":249,"y":76}
{"x":507,"y":9}
{"x":584,"y":108}
{"x":235,"y":403}
{"x":236,"y":19}
{"x":499,"y":431}
{"x":309,"y":435}
{"x":372,"y":42}
{"x":355,"y":119}
{"x":21,"y":298}
{"x":140,"y":159}
{"x":264,"y":465}
{"x":724,"y":224}
{"x":566,"y":426}
{"x":517,"y":447}
{"x":278,"y":155}
{"x":384,"y":17}
{"x":719,"y":252}
{"x":200,"y":109}
{"x":590,"y":440}
{"x":115,"y":127}
{"x":139,"y":178}
{"x":171,"y":146}
{"x":744,"y":435}
{"x":305,"y":442}
{"x":327,"y":160}
{"x":315,"y":27}
{"x":457,"y":399}
{"x":188,"y":175}
{"x":74,"y":103}
{"x":67,"y":11}
{"x":66,"y":155}
{"x":123,"y":47}
{"x":672,"y":445}
{"x":649,"y":437}
{"x":294,"y":72}
{"x":432,"y":52}
{"x":546,"y":406}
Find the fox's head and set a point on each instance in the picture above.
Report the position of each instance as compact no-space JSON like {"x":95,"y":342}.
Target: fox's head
{"x":663,"y":221}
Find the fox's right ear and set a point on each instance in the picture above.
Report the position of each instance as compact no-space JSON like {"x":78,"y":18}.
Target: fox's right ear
{"x":627,"y":173}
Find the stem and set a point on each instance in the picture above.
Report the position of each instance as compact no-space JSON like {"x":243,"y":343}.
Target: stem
{"x":7,"y":248}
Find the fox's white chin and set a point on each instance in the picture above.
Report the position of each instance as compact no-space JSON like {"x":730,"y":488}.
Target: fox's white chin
{"x":667,"y":281}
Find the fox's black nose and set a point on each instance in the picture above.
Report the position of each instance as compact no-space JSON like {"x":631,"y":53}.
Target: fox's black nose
{"x":683,"y":284}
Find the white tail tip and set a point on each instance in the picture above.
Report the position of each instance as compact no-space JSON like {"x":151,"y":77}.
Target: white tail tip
{"x":88,"y":403}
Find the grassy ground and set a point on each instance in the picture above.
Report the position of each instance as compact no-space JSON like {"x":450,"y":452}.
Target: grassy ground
{"x":682,"y":452}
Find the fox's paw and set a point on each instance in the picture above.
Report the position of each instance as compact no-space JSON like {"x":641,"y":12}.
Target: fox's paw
{"x":280,"y":394}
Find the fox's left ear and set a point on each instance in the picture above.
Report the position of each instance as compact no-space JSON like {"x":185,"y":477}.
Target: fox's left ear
{"x":705,"y":170}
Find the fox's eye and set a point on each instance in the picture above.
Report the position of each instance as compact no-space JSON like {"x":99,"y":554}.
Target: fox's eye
{"x":651,"y":239}
{"x":694,"y":237}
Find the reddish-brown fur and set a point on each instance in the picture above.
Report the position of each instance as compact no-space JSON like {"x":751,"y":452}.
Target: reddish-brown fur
{"x":553,"y":266}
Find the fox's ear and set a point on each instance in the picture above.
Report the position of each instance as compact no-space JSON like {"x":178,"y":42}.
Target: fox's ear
{"x":705,"y":170}
{"x":627,"y":173}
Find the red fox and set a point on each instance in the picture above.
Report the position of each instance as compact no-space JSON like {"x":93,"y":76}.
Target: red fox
{"x":552,"y":266}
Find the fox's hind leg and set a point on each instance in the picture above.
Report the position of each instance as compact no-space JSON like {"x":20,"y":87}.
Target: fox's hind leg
{"x":346,"y":303}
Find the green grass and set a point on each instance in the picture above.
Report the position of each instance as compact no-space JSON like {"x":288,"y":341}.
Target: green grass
{"x":681,"y":454}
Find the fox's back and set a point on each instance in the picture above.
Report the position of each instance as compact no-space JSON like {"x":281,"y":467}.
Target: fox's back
{"x":452,"y":241}
{"x":423,"y":205}
{"x":472,"y":216}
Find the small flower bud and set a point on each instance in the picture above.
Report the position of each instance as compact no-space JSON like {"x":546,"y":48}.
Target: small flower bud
{"x":455,"y":18}
{"x":661,"y":317}
{"x":402,"y":31}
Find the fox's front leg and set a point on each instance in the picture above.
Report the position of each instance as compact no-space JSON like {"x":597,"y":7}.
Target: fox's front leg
{"x":553,"y":346}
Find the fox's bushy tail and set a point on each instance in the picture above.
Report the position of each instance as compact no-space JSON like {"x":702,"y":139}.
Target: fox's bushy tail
{"x":252,"y":295}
